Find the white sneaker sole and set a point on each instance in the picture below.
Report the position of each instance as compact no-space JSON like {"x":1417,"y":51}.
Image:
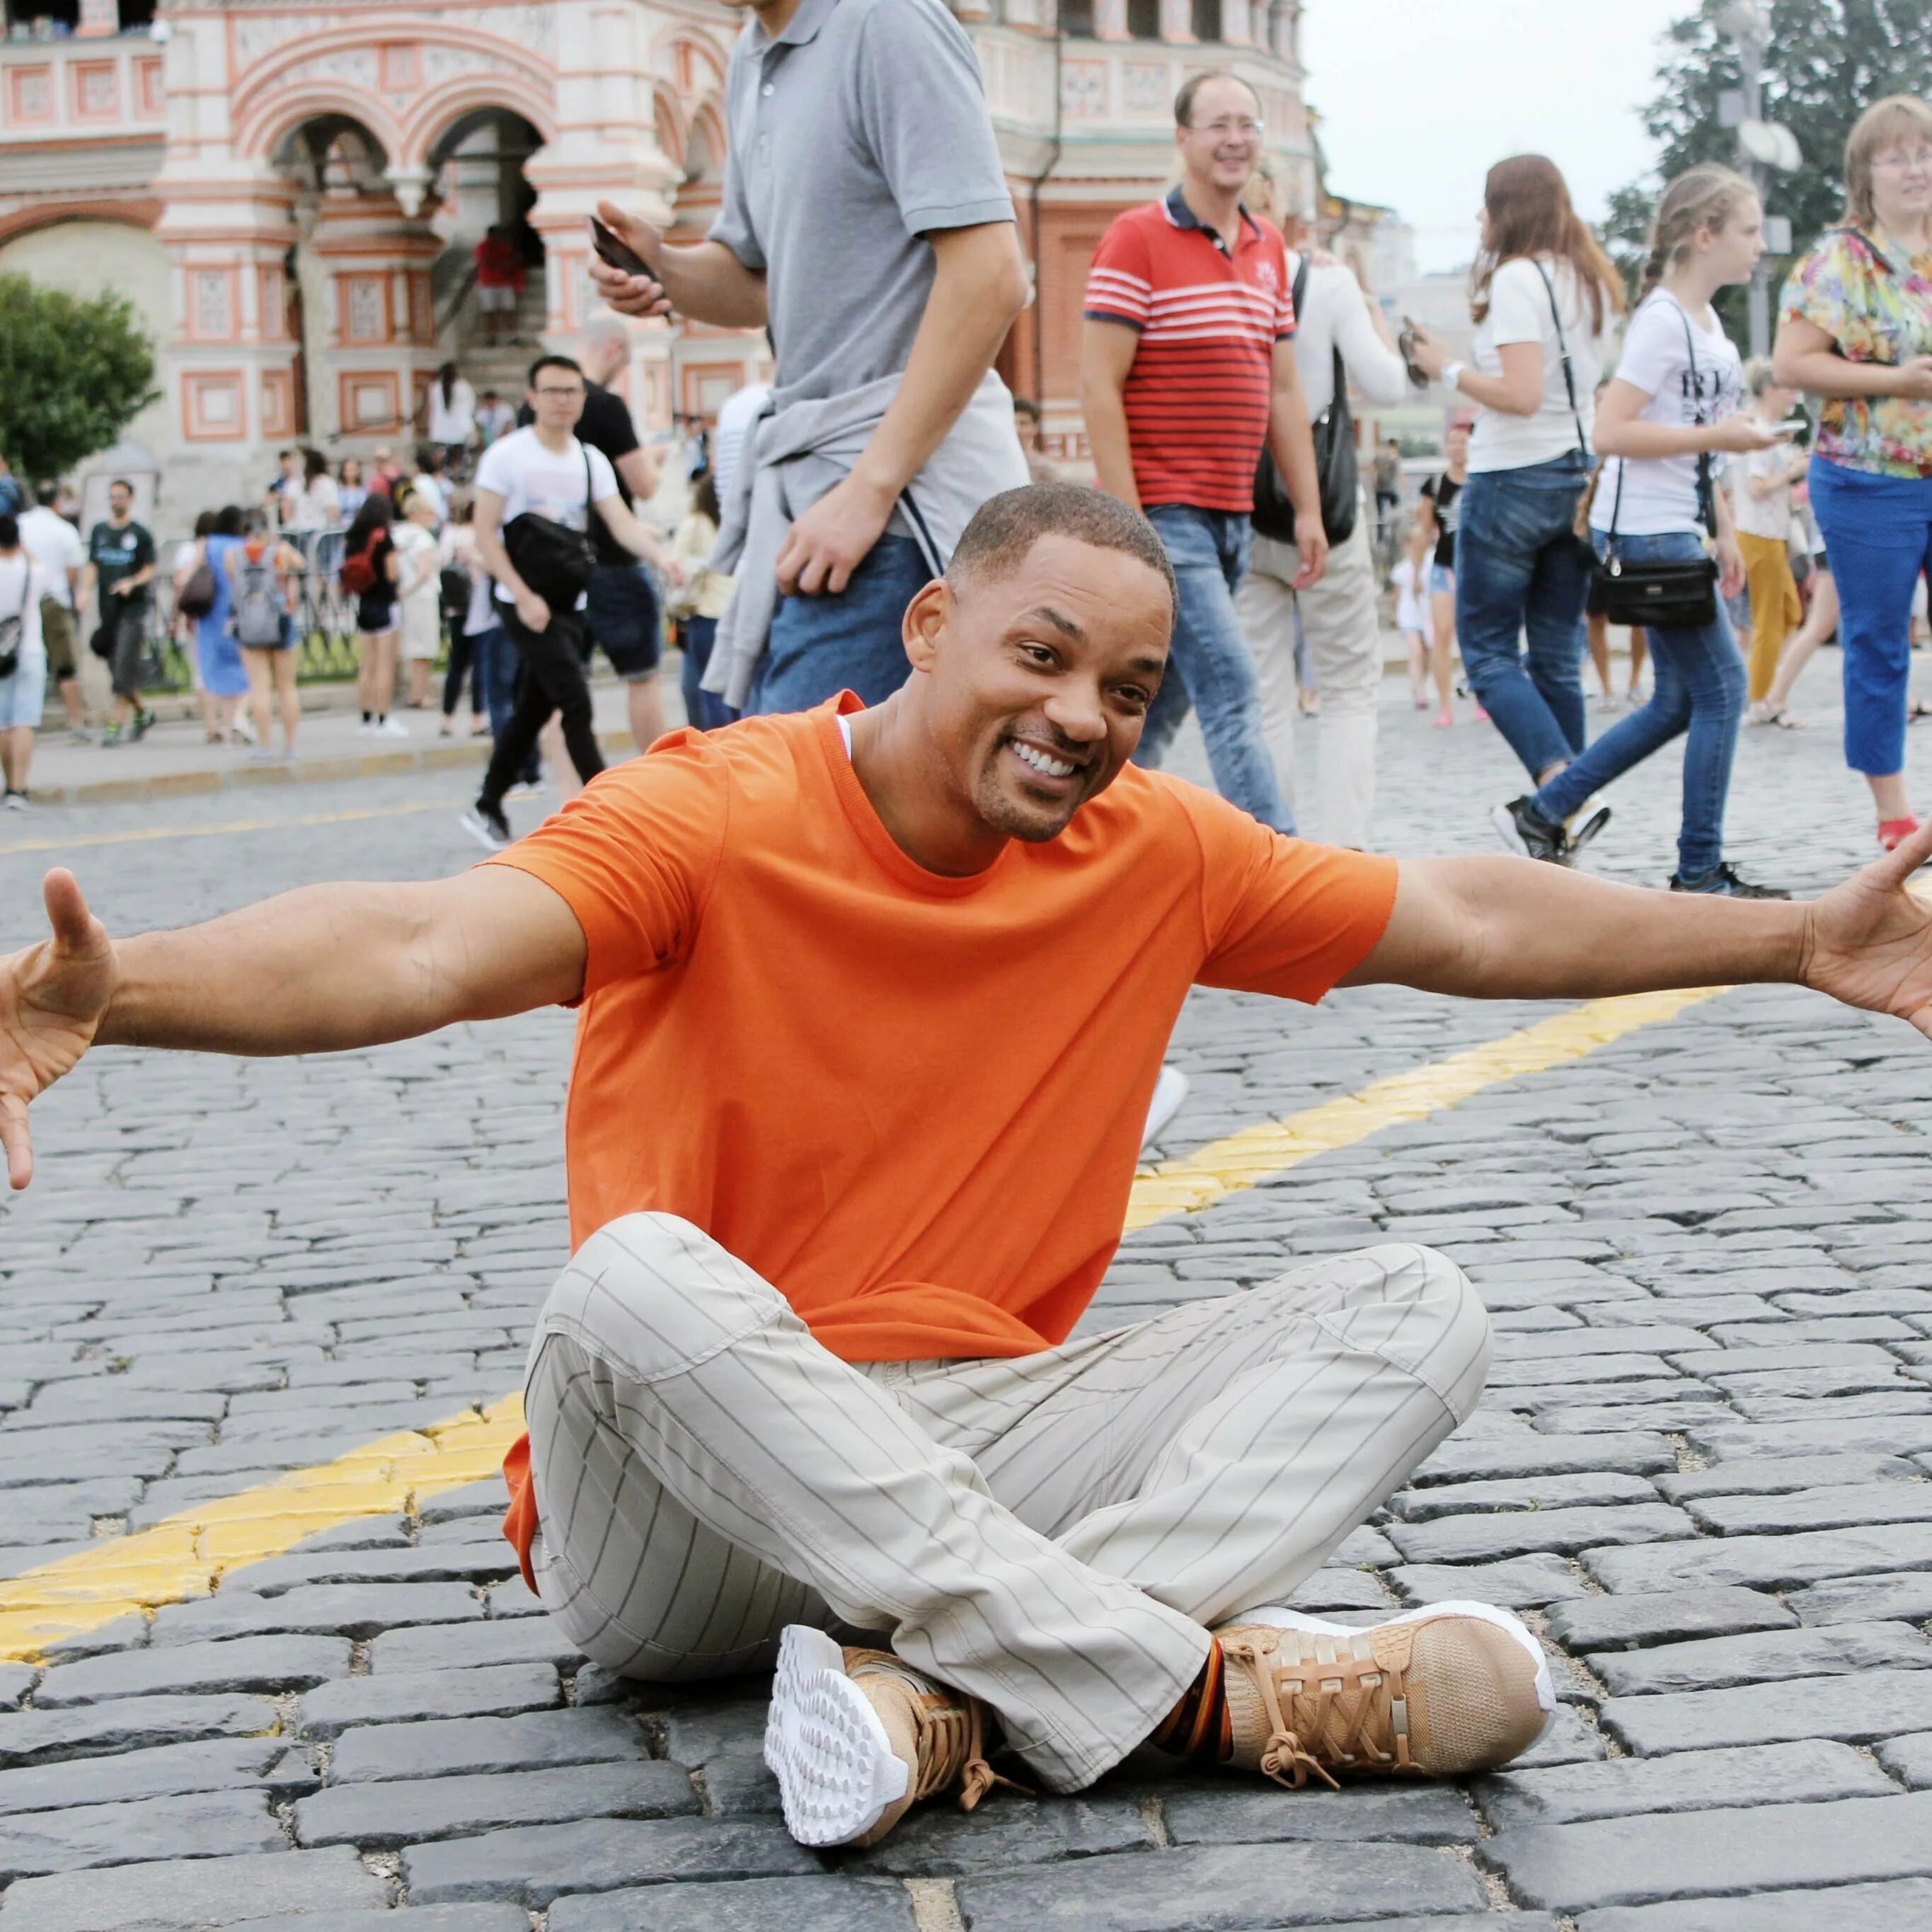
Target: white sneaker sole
{"x":836,"y":1768}
{"x":1546,"y":1688}
{"x":1169,"y":1091}
{"x":1505,"y":821}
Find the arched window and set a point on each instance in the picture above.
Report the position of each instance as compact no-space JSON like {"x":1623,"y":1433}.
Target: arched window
{"x":1204,"y":20}
{"x":1144,"y":20}
{"x":1076,"y":19}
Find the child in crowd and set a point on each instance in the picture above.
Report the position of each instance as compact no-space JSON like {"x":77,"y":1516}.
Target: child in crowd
{"x":1761,"y":503}
{"x":1409,"y":579}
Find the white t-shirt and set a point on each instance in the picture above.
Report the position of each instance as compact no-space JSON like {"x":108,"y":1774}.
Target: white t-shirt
{"x":419,"y":573}
{"x":23,"y":583}
{"x":529,"y":478}
{"x":1769,"y":516}
{"x":1520,"y":311}
{"x":455,"y":421}
{"x":1660,"y":493}
{"x":1411,"y":606}
{"x":54,"y":545}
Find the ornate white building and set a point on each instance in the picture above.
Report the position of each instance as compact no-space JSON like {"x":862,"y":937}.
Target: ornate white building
{"x":289,"y":190}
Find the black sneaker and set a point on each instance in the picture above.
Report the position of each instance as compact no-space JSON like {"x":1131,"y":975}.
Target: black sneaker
{"x":1525,"y":831}
{"x":144,"y":722}
{"x":486,"y":824}
{"x":1723,"y":881}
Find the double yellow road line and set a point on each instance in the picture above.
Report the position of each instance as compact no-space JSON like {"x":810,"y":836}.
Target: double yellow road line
{"x":188,"y":1553}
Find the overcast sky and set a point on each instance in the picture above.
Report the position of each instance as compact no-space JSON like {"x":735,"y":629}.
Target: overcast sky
{"x":1417,"y":101}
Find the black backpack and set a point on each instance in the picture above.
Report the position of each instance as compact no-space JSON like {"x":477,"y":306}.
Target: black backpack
{"x":1336,"y":467}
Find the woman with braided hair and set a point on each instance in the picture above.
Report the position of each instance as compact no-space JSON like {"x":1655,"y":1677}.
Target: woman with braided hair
{"x":1672,"y":404}
{"x":1856,"y":328}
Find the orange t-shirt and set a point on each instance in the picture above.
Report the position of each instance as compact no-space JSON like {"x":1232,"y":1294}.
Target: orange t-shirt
{"x":914,"y":1104}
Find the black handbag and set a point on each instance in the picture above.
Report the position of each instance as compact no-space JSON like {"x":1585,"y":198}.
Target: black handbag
{"x":557,"y":561}
{"x":1662,"y":593}
{"x":1336,"y":467}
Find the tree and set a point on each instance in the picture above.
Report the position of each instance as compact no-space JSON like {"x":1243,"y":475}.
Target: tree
{"x":1827,"y":61}
{"x":74,"y":373}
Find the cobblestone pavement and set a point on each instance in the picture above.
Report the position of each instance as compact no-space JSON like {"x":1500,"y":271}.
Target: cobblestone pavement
{"x":1701,"y":1467}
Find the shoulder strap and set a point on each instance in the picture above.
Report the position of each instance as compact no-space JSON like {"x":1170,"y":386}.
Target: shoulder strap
{"x":1299,"y":287}
{"x":1707,"y":507}
{"x":1563,"y":350}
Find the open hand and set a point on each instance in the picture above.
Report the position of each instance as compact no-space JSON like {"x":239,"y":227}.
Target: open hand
{"x":640,"y":296}
{"x":52,"y":997}
{"x":1868,"y":942}
{"x":829,"y":540}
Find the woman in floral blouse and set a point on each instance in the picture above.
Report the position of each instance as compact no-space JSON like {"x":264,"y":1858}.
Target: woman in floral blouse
{"x":1856,"y":329}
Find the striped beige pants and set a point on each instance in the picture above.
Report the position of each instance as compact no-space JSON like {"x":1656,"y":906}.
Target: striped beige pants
{"x":1054,"y":1534}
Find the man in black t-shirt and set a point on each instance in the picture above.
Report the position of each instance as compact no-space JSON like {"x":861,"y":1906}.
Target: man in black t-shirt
{"x":621,"y":616}
{"x":120,"y":568}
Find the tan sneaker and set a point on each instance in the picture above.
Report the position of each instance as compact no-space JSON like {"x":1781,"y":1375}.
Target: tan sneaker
{"x":1436,"y":1692}
{"x":856,"y":1737}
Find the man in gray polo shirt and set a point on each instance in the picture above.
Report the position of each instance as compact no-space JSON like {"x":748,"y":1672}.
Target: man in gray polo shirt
{"x":866,"y":222}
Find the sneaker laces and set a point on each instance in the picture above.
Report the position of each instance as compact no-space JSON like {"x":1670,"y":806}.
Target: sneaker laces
{"x":948,"y":1733}
{"x":1332,"y":1703}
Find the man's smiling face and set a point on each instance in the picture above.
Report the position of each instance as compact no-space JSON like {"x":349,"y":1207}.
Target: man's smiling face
{"x":1040,"y":678}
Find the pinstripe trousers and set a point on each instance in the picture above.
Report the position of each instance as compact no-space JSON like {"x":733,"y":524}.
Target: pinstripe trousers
{"x":1054,"y":1534}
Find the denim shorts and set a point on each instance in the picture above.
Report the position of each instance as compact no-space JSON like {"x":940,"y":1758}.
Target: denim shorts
{"x":23,"y":695}
{"x":621,"y":611}
{"x":1442,"y":578}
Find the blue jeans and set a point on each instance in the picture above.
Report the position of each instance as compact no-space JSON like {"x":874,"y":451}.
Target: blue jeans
{"x":1700,"y":688}
{"x":821,"y":645}
{"x":1519,"y":570}
{"x":496,"y":675}
{"x":1878,"y":534}
{"x":1210,"y":665}
{"x":704,"y":710}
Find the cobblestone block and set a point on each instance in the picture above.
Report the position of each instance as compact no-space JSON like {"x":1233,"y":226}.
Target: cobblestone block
{"x":1421,"y":1814}
{"x":16,"y":1681}
{"x":1802,"y":1773}
{"x":173,"y":1894}
{"x":744,"y":1905}
{"x":460,"y":1562}
{"x":1904,"y":1906}
{"x":272,"y":1663}
{"x":403,"y":1696}
{"x":1832,"y":1507}
{"x":396,"y":1813}
{"x":1463,"y":1539}
{"x":1469,"y":1458}
{"x":1524,"y":1583}
{"x":216,"y":1823}
{"x":1766,"y":1848}
{"x":355,"y":1609}
{"x":1665,"y":1616}
{"x":34,"y":1737}
{"x":162,"y":1771}
{"x":1780,"y":1475}
{"x":1769,"y":1562}
{"x":422,"y":1918}
{"x":696,"y":1733}
{"x":1882,"y":1703}
{"x":534,"y":1863}
{"x":1768,"y":1657}
{"x":1616,"y":1418}
{"x":1726,"y":1440}
{"x":445,"y":1647}
{"x":1007,"y":1831}
{"x":1522,"y":1492}
{"x":1910,"y":1760}
{"x":1207,"y":1889}
{"x":538,"y":1740}
{"x":738,"y":1787}
{"x":1569,"y":1739}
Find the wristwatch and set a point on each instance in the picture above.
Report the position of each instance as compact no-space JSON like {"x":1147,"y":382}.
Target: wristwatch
{"x":1452,"y":375}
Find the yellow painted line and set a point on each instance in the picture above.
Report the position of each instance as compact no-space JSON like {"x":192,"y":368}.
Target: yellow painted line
{"x":230,"y":825}
{"x":1245,"y":1159}
{"x":188,"y":1553}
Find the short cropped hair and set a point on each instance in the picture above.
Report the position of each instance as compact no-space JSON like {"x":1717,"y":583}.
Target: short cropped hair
{"x":121,"y":483}
{"x":46,"y":494}
{"x":1005,"y":528}
{"x":1183,"y":101}
{"x":10,"y":533}
{"x":544,"y":362}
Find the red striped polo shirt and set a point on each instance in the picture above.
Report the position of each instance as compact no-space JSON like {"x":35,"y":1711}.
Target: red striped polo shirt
{"x":1197,"y":396}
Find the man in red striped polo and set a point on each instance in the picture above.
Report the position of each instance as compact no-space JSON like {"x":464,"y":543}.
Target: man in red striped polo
{"x":1186,"y":371}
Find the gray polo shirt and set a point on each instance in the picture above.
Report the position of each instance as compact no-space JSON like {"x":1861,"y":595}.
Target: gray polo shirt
{"x":858,"y":130}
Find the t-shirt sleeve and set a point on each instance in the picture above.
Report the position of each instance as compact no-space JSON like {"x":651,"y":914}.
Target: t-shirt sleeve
{"x":1119,"y":285}
{"x":603,"y":477}
{"x":616,"y":428}
{"x":1653,"y":351}
{"x":1283,"y":916}
{"x":922,"y":107}
{"x":633,"y":857}
{"x":493,"y":472}
{"x":1827,"y":289}
{"x":1519,"y":307}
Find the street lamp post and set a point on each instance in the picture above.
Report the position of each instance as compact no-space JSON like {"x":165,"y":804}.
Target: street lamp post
{"x":1762,"y":145}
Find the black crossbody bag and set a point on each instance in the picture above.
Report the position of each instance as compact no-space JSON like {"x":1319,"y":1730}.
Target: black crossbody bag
{"x":1661,"y":593}
{"x":1336,"y":468}
{"x":557,"y":561}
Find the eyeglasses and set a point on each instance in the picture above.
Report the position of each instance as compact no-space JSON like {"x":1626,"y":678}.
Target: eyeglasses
{"x":1247,"y":130}
{"x":575,"y":389}
{"x":1900,"y":163}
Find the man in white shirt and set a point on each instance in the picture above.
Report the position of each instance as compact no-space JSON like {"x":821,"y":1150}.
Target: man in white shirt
{"x":54,"y":545}
{"x":528,"y":483}
{"x":23,"y":659}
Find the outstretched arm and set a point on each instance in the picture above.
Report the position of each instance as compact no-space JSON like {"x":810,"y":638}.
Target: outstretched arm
{"x":313,"y":971}
{"x":1511,"y":929}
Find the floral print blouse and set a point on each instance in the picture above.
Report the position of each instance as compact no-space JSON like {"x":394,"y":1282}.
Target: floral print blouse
{"x":1875,"y":302}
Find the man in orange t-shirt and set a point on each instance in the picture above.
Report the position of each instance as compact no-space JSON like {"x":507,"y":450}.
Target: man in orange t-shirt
{"x":871,"y":1003}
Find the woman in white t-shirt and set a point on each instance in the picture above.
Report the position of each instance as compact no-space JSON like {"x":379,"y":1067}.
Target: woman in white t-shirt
{"x":449,"y":415}
{"x":1673,"y":405}
{"x":418,"y":588}
{"x":1542,"y":295}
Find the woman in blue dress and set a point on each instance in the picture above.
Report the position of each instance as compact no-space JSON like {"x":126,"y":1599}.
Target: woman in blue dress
{"x":224,"y":681}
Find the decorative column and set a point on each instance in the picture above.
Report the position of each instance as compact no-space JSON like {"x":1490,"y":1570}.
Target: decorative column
{"x":1235,"y":15}
{"x":1177,"y":23}
{"x":1110,"y":19}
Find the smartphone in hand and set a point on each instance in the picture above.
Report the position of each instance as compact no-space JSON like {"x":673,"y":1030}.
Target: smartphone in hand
{"x":620,"y":255}
{"x":1405,"y":344}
